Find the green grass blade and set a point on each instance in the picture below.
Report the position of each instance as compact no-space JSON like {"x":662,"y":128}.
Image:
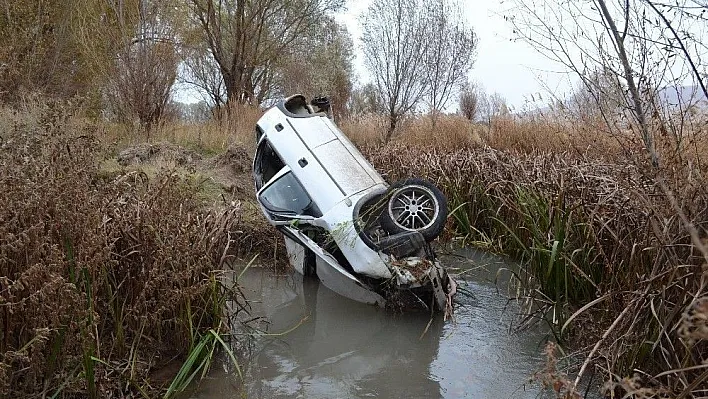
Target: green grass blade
{"x":183,"y":377}
{"x":228,"y":352}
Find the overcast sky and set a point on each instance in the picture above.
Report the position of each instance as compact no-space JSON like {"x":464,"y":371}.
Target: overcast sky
{"x":512,"y":69}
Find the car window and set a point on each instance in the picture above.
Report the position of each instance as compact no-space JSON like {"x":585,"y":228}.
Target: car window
{"x":267,"y":163}
{"x":286,"y":195}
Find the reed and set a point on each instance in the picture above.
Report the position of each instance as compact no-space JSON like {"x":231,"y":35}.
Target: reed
{"x":233,"y":128}
{"x":606,"y":259}
{"x":105,"y":279}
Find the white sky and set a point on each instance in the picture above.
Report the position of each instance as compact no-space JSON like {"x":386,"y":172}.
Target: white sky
{"x":512,"y":69}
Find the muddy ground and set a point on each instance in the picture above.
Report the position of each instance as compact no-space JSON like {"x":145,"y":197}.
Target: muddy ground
{"x":224,"y":179}
{"x":229,"y":171}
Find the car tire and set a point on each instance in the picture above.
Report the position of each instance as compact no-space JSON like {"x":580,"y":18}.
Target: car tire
{"x":415,"y":205}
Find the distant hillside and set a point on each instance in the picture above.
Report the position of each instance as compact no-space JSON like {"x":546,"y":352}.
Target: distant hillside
{"x":685,"y":95}
{"x":669,"y":96}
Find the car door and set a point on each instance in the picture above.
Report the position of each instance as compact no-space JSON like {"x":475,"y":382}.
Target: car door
{"x":280,"y":194}
{"x":284,"y":198}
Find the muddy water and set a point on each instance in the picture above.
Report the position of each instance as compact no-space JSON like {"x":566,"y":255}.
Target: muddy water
{"x":343,"y":349}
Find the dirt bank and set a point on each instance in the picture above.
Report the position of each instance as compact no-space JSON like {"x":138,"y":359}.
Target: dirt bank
{"x":222,"y":178}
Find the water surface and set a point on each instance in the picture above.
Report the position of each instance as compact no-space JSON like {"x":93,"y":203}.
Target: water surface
{"x":343,"y":349}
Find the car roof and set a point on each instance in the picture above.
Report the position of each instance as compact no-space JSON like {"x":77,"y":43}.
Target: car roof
{"x":328,"y":152}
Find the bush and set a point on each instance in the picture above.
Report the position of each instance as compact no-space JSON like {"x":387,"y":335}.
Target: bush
{"x":103,"y":279}
{"x":587,"y":232}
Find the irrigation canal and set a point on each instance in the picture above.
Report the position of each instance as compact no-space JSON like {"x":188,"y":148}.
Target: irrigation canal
{"x":344,"y":349}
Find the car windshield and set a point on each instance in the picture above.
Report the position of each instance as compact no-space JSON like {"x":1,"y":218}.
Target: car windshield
{"x":286,"y":195}
{"x":267,"y":164}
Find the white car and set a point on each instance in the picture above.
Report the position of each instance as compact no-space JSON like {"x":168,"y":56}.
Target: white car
{"x":341,"y":221}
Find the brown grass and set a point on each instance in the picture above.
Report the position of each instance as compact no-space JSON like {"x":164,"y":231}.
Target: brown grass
{"x":236,"y":128}
{"x":86,"y":256}
{"x":449,"y":132}
{"x":593,"y":226}
{"x":103,"y":279}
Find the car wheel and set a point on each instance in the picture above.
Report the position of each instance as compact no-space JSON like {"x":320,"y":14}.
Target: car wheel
{"x":415,"y":205}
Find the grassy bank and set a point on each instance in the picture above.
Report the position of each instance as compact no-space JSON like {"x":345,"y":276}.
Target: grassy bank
{"x":607,"y":260}
{"x":109,"y":280}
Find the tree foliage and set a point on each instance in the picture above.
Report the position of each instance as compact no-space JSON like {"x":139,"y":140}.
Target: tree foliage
{"x":200,"y":72}
{"x":39,"y":49}
{"x":145,"y":66}
{"x":469,"y":101}
{"x":366,"y":100}
{"x":320,"y":65}
{"x":119,"y":55}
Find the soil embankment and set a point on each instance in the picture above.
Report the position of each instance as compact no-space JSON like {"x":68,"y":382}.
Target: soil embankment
{"x":224,"y":178}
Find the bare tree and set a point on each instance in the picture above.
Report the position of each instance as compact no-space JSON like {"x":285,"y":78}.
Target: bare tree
{"x":366,"y":100}
{"x":498,"y":106}
{"x":637,"y":51}
{"x":320,"y":66}
{"x":643,"y":54}
{"x":145,"y":66}
{"x":394,"y":43}
{"x":695,"y":12}
{"x":469,"y":101}
{"x":485,"y":107}
{"x":141,"y":87}
{"x":41,"y":49}
{"x":450,"y":53}
{"x":247,"y":39}
{"x":200,"y":71}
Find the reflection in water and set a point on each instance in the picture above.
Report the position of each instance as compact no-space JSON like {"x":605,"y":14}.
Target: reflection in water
{"x":345,"y":349}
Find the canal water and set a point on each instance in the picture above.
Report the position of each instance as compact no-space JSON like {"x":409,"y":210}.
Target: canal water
{"x":337,"y":348}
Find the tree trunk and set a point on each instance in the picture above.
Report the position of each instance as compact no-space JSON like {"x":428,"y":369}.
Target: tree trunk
{"x":633,"y":91}
{"x":392,"y":122}
{"x":232,"y":89}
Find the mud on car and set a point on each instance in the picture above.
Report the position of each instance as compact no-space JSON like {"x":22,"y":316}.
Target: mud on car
{"x":361,"y":237}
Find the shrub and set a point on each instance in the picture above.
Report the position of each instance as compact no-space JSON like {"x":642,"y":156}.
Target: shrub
{"x":103,"y":279}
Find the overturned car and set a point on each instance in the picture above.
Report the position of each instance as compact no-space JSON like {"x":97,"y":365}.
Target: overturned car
{"x":342,"y":222}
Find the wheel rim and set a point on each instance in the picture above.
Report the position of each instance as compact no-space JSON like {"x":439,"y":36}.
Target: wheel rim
{"x":414,"y":208}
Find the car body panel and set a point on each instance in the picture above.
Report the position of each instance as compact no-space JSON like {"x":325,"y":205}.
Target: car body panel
{"x":338,"y":221}
{"x":332,"y":274}
{"x":308,"y":173}
{"x":343,"y":168}
{"x":313,"y":131}
{"x":296,"y":255}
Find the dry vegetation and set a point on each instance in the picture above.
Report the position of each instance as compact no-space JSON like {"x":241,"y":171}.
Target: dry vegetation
{"x":108,"y":278}
{"x":236,"y":127}
{"x":110,"y":272}
{"x":609,"y":262}
{"x":109,"y":259}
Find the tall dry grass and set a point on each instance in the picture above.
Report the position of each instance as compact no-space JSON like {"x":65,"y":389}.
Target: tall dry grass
{"x":104,"y":280}
{"x":450,"y":131}
{"x":234,"y":128}
{"x":607,"y":258}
